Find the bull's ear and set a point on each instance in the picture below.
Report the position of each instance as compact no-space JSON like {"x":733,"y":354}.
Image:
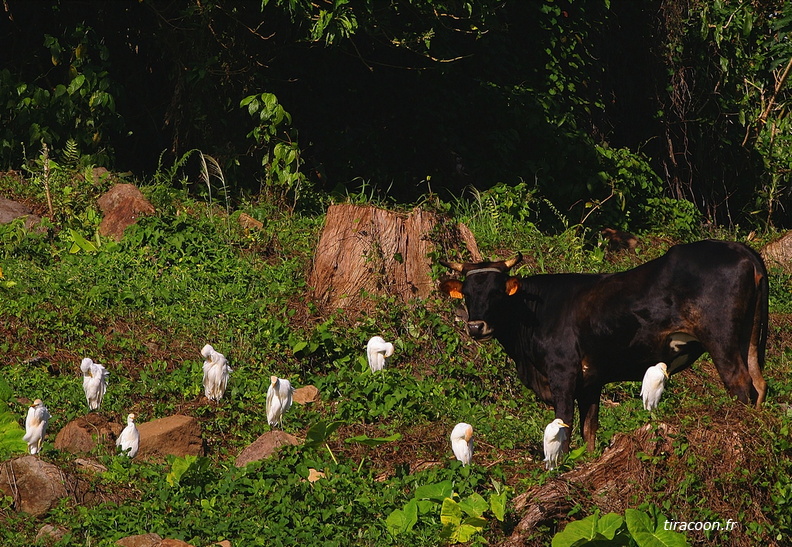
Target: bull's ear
{"x":512,"y":285}
{"x":452,"y":287}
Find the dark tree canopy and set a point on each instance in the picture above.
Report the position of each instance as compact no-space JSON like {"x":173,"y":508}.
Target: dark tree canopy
{"x":617,"y":112}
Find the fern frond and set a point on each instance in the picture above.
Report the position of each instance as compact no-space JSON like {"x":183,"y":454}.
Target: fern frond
{"x":71,"y":153}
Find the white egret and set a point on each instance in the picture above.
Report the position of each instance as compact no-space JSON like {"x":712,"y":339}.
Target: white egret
{"x":462,"y":442}
{"x":94,"y":382}
{"x":377,"y":352}
{"x":279,"y":400}
{"x":129,"y":439}
{"x":36,"y":426}
{"x":215,"y":373}
{"x":654,"y":381}
{"x":555,"y":434}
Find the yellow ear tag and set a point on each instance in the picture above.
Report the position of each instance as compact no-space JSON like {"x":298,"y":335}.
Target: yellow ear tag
{"x":512,"y":286}
{"x":453,"y":293}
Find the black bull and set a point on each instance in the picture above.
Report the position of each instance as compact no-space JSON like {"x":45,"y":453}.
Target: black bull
{"x":570,"y":334}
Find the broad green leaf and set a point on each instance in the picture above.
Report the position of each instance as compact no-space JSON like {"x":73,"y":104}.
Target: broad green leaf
{"x":438,"y":491}
{"x":474,"y":505}
{"x":498,"y":505}
{"x":450,"y":513}
{"x":319,"y":433}
{"x":179,"y":467}
{"x":403,"y":520}
{"x":424,"y":506}
{"x":610,"y":524}
{"x":584,"y":529}
{"x":10,"y":435}
{"x":363,"y":363}
{"x":81,"y":243}
{"x":576,"y":453}
{"x":76,"y":84}
{"x":647,"y":534}
{"x":396,"y":522}
{"x":469,"y":527}
{"x":299,"y":346}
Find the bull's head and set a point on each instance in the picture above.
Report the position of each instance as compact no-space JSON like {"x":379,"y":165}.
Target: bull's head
{"x":484,"y":289}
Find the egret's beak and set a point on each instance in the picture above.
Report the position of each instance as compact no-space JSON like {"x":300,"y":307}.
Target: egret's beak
{"x":469,"y":434}
{"x":565,"y":424}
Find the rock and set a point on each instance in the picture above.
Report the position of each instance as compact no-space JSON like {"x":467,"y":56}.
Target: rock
{"x":49,"y":534}
{"x":35,"y":485}
{"x":121,"y":206}
{"x":150,"y":540}
{"x":177,"y":435}
{"x":142,"y":540}
{"x":779,"y":252}
{"x":619,"y":240}
{"x":83,"y":434}
{"x":12,"y":210}
{"x":306,"y":394}
{"x":265,"y":446}
{"x":224,"y":543}
{"x":100,"y":173}
{"x":250,"y":223}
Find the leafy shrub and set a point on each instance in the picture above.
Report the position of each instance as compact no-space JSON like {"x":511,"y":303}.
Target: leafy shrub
{"x":677,"y":218}
{"x":277,"y":138}
{"x":628,"y":183}
{"x":635,"y":528}
{"x":79,"y":104}
{"x":462,"y":518}
{"x":10,"y":432}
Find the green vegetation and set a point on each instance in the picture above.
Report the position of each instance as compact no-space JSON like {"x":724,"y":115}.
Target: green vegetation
{"x":536,"y":123}
{"x":192,"y":275}
{"x":619,"y":114}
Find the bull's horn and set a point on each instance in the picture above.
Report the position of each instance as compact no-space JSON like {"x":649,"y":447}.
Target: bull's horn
{"x":456,"y":266}
{"x":513,"y":261}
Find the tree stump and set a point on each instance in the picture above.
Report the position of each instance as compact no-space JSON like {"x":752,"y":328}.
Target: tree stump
{"x":779,"y":252}
{"x":367,"y":250}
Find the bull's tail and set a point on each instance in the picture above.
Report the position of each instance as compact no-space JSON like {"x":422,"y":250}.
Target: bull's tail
{"x":756,"y":349}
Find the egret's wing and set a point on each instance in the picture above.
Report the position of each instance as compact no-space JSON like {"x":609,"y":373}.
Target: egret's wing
{"x":371,"y":356}
{"x":224,"y":377}
{"x":32,"y":420}
{"x":271,"y":408}
{"x":286,"y":395}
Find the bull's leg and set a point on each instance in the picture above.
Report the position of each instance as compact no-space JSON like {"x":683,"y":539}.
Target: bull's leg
{"x":736,"y":339}
{"x":756,"y":346}
{"x":733,"y":371}
{"x":755,"y":371}
{"x":562,"y":385}
{"x":588,"y":408}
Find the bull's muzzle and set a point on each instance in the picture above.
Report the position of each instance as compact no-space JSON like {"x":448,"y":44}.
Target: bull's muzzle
{"x":479,"y":330}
